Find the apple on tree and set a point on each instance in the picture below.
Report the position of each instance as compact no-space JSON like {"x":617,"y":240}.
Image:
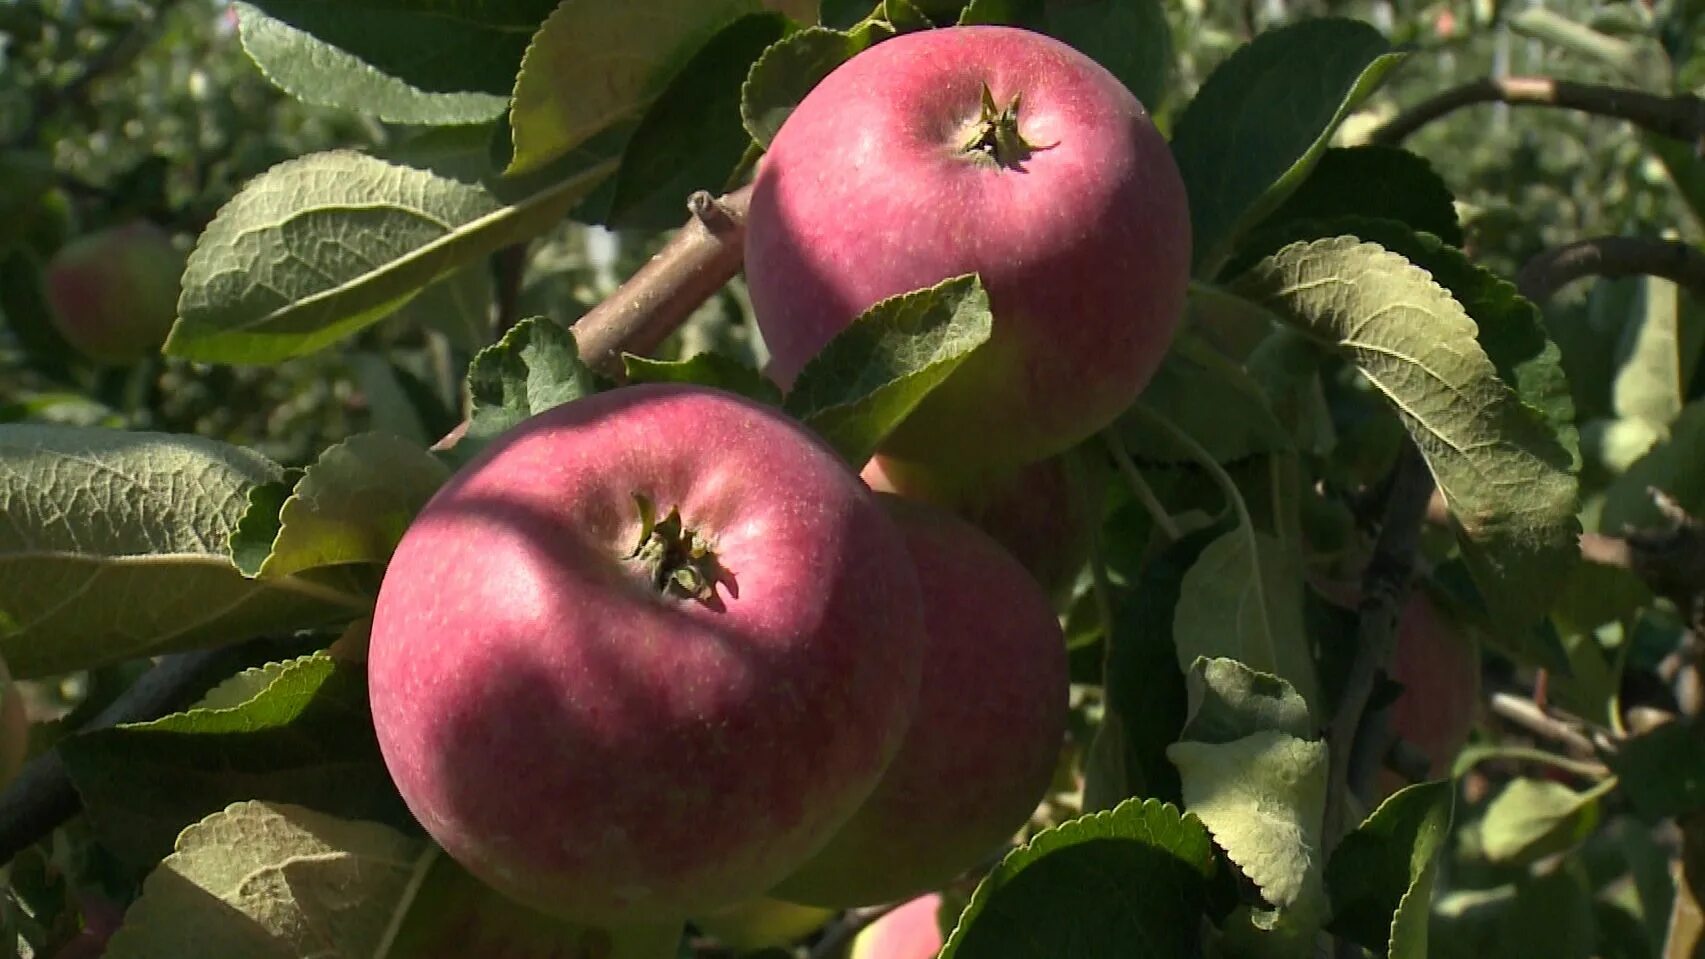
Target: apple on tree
{"x":986,"y":735}
{"x":988,"y":150}
{"x":1439,"y":667}
{"x":911,"y":931}
{"x":645,"y":654}
{"x":114,"y":293}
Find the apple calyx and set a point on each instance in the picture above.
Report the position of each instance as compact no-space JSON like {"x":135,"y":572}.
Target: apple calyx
{"x":994,"y":136}
{"x":675,"y":560}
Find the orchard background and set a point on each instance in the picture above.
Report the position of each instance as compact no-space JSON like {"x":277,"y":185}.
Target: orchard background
{"x":1437,"y":525}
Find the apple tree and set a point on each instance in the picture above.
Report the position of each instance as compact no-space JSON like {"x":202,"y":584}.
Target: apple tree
{"x":924,"y":478}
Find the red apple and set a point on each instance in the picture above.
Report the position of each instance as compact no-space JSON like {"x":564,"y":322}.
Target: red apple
{"x":644,"y":655}
{"x":1439,"y":668}
{"x":114,"y":293}
{"x":1039,"y":512}
{"x":987,"y":733}
{"x":991,"y":150}
{"x":912,"y":931}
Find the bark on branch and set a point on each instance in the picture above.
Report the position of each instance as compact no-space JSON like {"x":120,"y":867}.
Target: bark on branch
{"x":1678,"y":118}
{"x":1612,"y":256}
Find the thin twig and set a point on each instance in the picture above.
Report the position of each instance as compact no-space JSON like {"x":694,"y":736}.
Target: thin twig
{"x":42,"y":798}
{"x":696,"y":262}
{"x":845,"y":929}
{"x":1545,"y":724}
{"x":1385,"y":588}
{"x":1678,"y":117}
{"x":1612,"y":256}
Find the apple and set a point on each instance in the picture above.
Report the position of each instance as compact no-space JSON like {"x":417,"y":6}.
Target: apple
{"x":991,"y":150}
{"x":763,"y":923}
{"x":911,"y":931}
{"x":1439,"y":667}
{"x":114,"y":293}
{"x":1040,"y":512}
{"x":641,"y":658}
{"x":988,"y":729}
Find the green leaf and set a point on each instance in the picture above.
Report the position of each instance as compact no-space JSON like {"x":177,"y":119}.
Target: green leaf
{"x":788,"y":70}
{"x":1505,"y":476}
{"x":115,"y":546}
{"x":1649,"y":382}
{"x":1535,"y":818}
{"x":1263,"y":118}
{"x":534,"y":367}
{"x":1381,"y":876}
{"x":352,"y":505}
{"x":1130,"y":38}
{"x":1229,"y":701}
{"x":1263,"y":798}
{"x":1374,"y":182}
{"x":273,"y":881}
{"x":876,"y":371}
{"x":1239,"y":423}
{"x":1662,"y":771}
{"x":594,"y":65}
{"x":275,"y":276}
{"x":704,"y":369}
{"x":1243,"y":600}
{"x":306,"y":738}
{"x":1671,"y":466}
{"x":1094,"y":887}
{"x":455,"y":916}
{"x":692,"y":137}
{"x":389,"y":61}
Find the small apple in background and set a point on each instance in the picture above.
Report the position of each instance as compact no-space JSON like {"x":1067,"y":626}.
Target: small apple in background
{"x":987,"y":732}
{"x":1439,"y":667}
{"x":644,"y":655}
{"x":114,"y":293}
{"x":1043,"y":514}
{"x":988,"y":150}
{"x":912,"y":931}
{"x":763,"y":924}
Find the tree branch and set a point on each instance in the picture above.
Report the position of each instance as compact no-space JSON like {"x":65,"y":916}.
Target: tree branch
{"x":696,"y":262}
{"x":41,"y":799}
{"x":1528,"y":715}
{"x":1679,"y":117}
{"x":1612,"y":256}
{"x":1385,"y":588}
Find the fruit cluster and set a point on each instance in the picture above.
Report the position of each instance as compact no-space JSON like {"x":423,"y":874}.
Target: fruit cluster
{"x":660,"y":651}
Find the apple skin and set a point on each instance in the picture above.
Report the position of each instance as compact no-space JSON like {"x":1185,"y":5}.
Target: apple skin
{"x":1044,"y":518}
{"x":1439,"y":668}
{"x":986,"y":736}
{"x":911,"y":931}
{"x":114,"y":293}
{"x":1083,"y":244}
{"x":610,"y":753}
{"x":763,"y":924}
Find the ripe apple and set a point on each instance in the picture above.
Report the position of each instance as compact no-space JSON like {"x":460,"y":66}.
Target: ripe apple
{"x":991,"y":150}
{"x":114,"y":293}
{"x":763,"y":923}
{"x":912,"y":931}
{"x":1039,"y":512}
{"x":641,"y":657}
{"x":1439,"y":668}
{"x":987,"y":732}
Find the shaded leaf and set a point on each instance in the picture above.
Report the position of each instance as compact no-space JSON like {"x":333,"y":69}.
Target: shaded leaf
{"x":1506,"y":478}
{"x":876,"y":371}
{"x":1671,"y":466}
{"x":1262,"y":119}
{"x":1662,"y":771}
{"x":1243,"y":601}
{"x":1533,"y":818}
{"x":1381,"y":875}
{"x":534,"y":367}
{"x":1229,"y":701}
{"x":1374,"y":182}
{"x":1091,"y":887}
{"x":115,"y":546}
{"x":1130,"y":38}
{"x":594,"y":65}
{"x":787,"y":71}
{"x":307,"y":738}
{"x":275,"y":276}
{"x":1239,"y":423}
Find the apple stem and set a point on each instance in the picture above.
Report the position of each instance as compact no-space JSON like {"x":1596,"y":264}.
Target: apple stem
{"x":674,"y":560}
{"x":995,"y":137}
